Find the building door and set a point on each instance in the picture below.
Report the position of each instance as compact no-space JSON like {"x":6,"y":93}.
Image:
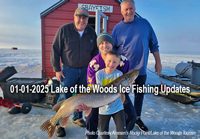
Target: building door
{"x":100,"y":22}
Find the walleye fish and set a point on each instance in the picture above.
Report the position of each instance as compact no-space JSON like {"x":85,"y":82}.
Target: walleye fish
{"x":94,"y":100}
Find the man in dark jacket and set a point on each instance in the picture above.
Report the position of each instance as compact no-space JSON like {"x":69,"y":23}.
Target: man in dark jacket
{"x":75,"y":44}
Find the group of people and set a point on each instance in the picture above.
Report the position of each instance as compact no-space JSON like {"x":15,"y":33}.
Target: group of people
{"x":78,"y":46}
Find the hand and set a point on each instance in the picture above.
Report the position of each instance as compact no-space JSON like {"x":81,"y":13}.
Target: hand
{"x":158,"y":68}
{"x":58,"y":76}
{"x":87,"y":112}
{"x":82,"y":107}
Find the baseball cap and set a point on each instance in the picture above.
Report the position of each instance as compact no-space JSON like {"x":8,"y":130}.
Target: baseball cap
{"x":81,"y":11}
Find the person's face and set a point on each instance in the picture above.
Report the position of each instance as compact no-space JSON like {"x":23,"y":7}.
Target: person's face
{"x":105,"y":47}
{"x":80,"y":22}
{"x":128,"y":11}
{"x":111,"y":62}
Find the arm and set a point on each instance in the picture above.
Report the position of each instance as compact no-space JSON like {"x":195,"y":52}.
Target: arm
{"x":158,"y":65}
{"x":56,"y":54}
{"x":93,"y":67}
{"x":115,"y":46}
{"x":153,"y":45}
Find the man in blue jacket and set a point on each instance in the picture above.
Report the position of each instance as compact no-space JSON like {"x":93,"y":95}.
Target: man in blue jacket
{"x":133,"y":37}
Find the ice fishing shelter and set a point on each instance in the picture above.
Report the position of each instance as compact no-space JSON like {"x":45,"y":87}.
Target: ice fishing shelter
{"x":62,"y":13}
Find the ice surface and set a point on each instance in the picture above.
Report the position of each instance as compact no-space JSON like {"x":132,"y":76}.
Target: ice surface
{"x":26,"y":61}
{"x":161,"y":115}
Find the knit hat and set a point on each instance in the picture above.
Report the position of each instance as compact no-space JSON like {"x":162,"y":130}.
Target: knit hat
{"x":81,"y":11}
{"x":104,"y":37}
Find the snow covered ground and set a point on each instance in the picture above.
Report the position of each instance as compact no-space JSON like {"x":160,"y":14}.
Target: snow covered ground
{"x":166,"y":119}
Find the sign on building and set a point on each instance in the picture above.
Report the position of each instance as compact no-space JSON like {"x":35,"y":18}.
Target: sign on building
{"x":93,"y":7}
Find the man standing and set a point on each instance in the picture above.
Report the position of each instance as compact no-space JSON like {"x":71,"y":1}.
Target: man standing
{"x":133,"y":37}
{"x":75,"y":44}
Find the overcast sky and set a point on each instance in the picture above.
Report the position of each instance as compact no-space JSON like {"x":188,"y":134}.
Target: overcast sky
{"x":175,"y":22}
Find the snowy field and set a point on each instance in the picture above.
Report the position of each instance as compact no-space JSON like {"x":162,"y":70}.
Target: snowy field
{"x":165,"y":118}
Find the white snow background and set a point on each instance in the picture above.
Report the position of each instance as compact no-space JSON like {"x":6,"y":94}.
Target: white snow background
{"x":167,"y":118}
